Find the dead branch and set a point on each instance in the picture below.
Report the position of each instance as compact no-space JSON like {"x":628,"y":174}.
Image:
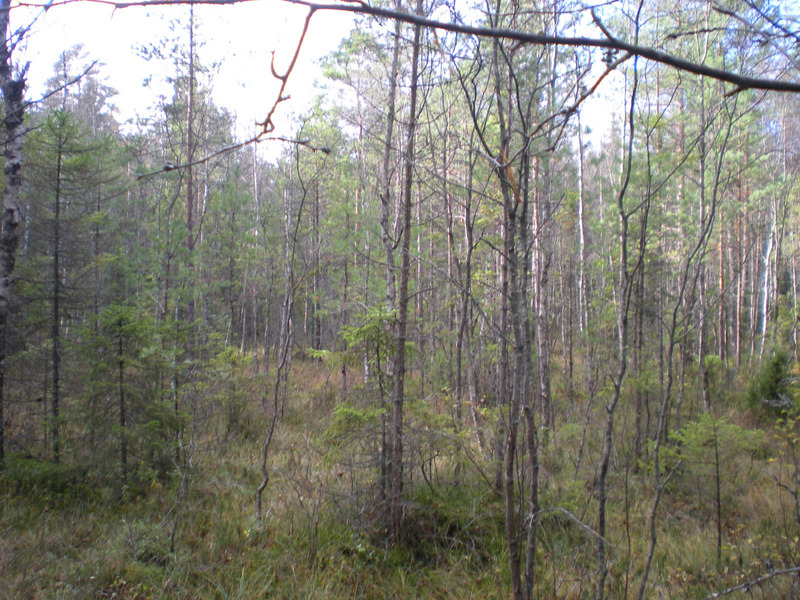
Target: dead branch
{"x":609,"y":42}
{"x":63,"y":86}
{"x":748,"y":585}
{"x":267,"y":125}
{"x":253,"y":140}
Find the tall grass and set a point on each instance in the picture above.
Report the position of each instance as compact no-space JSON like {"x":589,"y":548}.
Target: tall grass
{"x":67,"y":533}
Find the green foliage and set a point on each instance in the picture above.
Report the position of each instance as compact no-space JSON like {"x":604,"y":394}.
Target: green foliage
{"x":349,"y":420}
{"x":773,"y":388}
{"x":709,"y":449}
{"x":352,"y":432}
{"x":787,"y":433}
{"x":228,"y":388}
{"x":42,"y":480}
{"x":372,"y":338}
{"x":431,"y":434}
{"x":129,"y":364}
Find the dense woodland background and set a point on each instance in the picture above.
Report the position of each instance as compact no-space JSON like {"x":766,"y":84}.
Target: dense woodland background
{"x":450,"y":343}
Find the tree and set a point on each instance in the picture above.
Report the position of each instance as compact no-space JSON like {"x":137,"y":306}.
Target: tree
{"x":12,"y":84}
{"x":67,"y":169}
{"x":398,"y":394}
{"x":446,"y":208}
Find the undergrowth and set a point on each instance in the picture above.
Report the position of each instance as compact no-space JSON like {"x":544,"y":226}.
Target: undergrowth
{"x":68,"y":532}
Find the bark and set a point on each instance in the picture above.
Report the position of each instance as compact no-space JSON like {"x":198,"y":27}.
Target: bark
{"x":123,"y":446}
{"x":764,"y":281}
{"x":190,"y":193}
{"x":702,"y":338}
{"x":274,"y":399}
{"x":624,"y":291}
{"x":13,"y":86}
{"x":689,"y":283}
{"x":738,"y":311}
{"x":284,"y":357}
{"x":387,"y":238}
{"x":609,"y":42}
{"x":503,"y":366}
{"x":541,"y":274}
{"x":522,"y":359}
{"x":465,"y":316}
{"x":515,"y":242}
{"x":387,"y":233}
{"x":398,"y":396}
{"x":316,"y":318}
{"x":639,"y":430}
{"x":517,"y":395}
{"x":722,"y":324}
{"x":583,"y":291}
{"x":56,"y":309}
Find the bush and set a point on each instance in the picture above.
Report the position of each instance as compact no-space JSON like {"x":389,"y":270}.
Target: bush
{"x":773,"y":388}
{"x":47,"y":480}
{"x":714,"y":452}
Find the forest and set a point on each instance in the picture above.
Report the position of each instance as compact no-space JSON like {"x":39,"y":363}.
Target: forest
{"x":464,"y":334}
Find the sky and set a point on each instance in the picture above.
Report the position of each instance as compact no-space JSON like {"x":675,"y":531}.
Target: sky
{"x":240,"y":38}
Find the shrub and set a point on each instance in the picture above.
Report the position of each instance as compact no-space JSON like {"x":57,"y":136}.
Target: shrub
{"x":44,"y":479}
{"x":773,"y":388}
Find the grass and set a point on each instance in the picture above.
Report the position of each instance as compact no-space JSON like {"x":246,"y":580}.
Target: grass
{"x":65,"y":532}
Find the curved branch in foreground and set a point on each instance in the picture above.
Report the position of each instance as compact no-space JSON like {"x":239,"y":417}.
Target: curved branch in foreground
{"x":742,"y":82}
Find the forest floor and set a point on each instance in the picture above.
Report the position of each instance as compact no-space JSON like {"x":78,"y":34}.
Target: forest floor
{"x":68,"y":532}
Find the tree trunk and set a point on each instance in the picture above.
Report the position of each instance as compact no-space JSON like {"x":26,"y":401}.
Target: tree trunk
{"x":190,"y":199}
{"x":56,"y":310}
{"x":541,"y":273}
{"x":395,"y":497}
{"x":123,"y":447}
{"x":387,"y":238}
{"x":623,"y":295}
{"x":12,"y":85}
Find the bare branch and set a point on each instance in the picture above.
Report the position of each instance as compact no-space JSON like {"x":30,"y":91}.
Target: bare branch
{"x":748,"y":585}
{"x":253,"y":140}
{"x":768,"y":37}
{"x":267,"y":125}
{"x":602,"y":27}
{"x":610,"y":43}
{"x":570,"y":110}
{"x":776,"y":24}
{"x":741,"y":81}
{"x":63,"y":86}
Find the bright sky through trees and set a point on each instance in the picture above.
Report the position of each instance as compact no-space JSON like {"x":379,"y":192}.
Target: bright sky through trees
{"x":239,"y":39}
{"x":236,"y":40}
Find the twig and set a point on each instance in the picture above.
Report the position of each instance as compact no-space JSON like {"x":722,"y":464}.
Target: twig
{"x":63,"y":86}
{"x":253,"y":140}
{"x":746,"y":586}
{"x":573,"y":517}
{"x":267,"y":126}
{"x":612,"y":43}
{"x":602,"y":27}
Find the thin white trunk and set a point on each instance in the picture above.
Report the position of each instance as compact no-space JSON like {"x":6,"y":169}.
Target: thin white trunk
{"x":763,"y":305}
